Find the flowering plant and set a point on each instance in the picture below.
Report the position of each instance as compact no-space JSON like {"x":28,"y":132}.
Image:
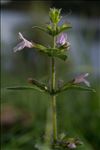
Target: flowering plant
{"x":59,"y":50}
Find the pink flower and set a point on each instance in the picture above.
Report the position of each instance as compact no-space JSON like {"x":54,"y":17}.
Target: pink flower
{"x":62,"y":40}
{"x":24,"y":43}
{"x":81,"y":78}
{"x":71,"y":145}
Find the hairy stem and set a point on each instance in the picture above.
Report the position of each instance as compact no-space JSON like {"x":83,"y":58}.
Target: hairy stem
{"x":54,"y":116}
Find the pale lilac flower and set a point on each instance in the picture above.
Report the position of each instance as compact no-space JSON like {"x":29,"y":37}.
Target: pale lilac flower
{"x":24,"y":43}
{"x":62,"y":40}
{"x":81,"y":78}
{"x":71,"y":145}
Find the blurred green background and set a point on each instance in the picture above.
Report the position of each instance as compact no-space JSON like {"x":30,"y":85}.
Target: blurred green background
{"x":24,"y":114}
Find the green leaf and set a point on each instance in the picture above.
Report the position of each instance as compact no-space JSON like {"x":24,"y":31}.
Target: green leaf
{"x":40,"y":47}
{"x":74,"y":87}
{"x":64,"y":27}
{"x":54,"y":31}
{"x":58,"y":29}
{"x":47,"y":29}
{"x":51,"y":52}
{"x":62,"y":56}
{"x":40,"y":28}
{"x":21,"y":88}
{"x":83,"y":88}
{"x":50,"y":30}
{"x":25,"y":88}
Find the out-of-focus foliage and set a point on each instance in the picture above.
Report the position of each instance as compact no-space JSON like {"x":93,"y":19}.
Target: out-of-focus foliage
{"x":24,"y":117}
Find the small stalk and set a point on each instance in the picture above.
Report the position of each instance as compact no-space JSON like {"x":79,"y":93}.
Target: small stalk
{"x":53,"y":84}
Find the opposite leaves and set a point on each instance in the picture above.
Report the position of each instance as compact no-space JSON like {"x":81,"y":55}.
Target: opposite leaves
{"x":54,"y":31}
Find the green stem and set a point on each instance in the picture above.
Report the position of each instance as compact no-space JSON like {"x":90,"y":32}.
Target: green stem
{"x":54,"y":116}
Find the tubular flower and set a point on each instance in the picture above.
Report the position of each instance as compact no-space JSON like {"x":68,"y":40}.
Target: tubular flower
{"x":62,"y":40}
{"x":24,"y":43}
{"x":81,"y":78}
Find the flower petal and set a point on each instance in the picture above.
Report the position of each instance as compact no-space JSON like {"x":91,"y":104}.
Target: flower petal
{"x":28,"y":44}
{"x":61,"y":39}
{"x":87,"y":74}
{"x":19,"y":47}
{"x":86,"y":82}
{"x":21,"y":36}
{"x":24,"y":43}
{"x":81,"y":78}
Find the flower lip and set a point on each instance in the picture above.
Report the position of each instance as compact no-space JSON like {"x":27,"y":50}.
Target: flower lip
{"x":81,"y":78}
{"x":24,"y":43}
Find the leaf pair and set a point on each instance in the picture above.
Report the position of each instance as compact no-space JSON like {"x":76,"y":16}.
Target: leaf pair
{"x":54,"y":30}
{"x":35,"y":85}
